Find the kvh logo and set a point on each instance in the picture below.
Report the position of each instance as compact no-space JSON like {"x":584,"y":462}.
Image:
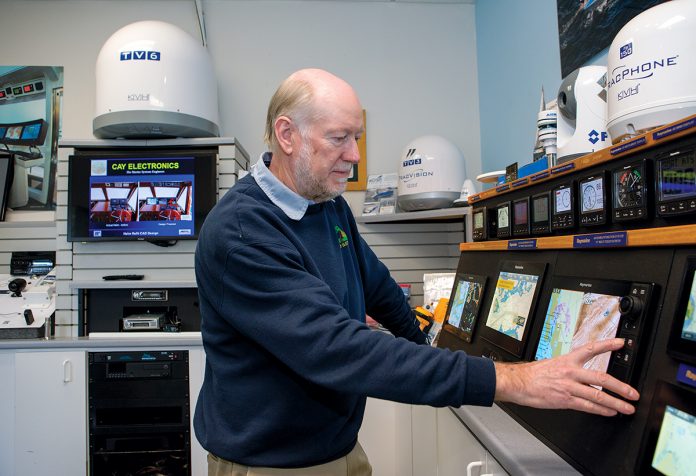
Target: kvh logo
{"x":595,"y":136}
{"x":410,"y":159}
{"x":140,"y":55}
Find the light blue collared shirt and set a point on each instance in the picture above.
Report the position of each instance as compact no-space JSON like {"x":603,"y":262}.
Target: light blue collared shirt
{"x":292,"y":204}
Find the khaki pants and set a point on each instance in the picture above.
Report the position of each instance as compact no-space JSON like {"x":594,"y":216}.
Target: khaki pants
{"x":354,"y":463}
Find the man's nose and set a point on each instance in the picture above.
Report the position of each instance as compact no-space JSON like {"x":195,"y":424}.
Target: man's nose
{"x":352,"y":153}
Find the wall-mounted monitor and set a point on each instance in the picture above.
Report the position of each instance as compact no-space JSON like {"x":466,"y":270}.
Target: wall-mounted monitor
{"x":676,"y":183}
{"x":512,"y":308}
{"x":140,"y":195}
{"x":581,"y":311}
{"x":504,"y":215}
{"x":682,"y":339}
{"x":563,"y":201}
{"x":6,"y":175}
{"x":464,"y":305}
{"x":29,"y":133}
{"x":669,"y":441}
{"x":520,"y":217}
{"x":592,"y":197}
{"x":630,"y":187}
{"x":541,"y":214}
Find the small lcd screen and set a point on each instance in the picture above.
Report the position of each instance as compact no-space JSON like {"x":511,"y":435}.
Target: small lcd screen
{"x":689,"y":328}
{"x":465,"y":303}
{"x":629,"y":187}
{"x":575,"y":318}
{"x":562,"y":200}
{"x":503,"y":217}
{"x":676,"y":443}
{"x":677,"y":177}
{"x":478,"y":220}
{"x":512,"y":303}
{"x":31,"y":132}
{"x":521,"y":212}
{"x":592,"y":195}
{"x":540,"y":209}
{"x":14,"y":132}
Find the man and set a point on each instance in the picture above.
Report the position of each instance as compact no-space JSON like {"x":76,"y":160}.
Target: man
{"x":285,"y":281}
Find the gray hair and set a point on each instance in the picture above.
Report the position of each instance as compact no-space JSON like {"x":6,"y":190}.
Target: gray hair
{"x":294,"y":98}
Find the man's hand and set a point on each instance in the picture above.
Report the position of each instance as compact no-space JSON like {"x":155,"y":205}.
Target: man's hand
{"x":561,"y":382}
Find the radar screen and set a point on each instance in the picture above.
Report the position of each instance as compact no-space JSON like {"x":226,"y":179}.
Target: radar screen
{"x":541,"y":223}
{"x":676,"y":183}
{"x":503,"y":212}
{"x":520,"y":217}
{"x":563,"y":201}
{"x":630,"y":192}
{"x":464,"y":305}
{"x":592,"y":198}
{"x":512,"y":307}
{"x":669,"y":442}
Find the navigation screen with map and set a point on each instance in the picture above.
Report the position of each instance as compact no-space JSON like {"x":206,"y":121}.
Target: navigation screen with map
{"x":682,"y":336}
{"x":464,"y":305}
{"x":669,"y":443}
{"x":513,"y":304}
{"x":688,"y":330}
{"x":577,"y":317}
{"x":676,"y":443}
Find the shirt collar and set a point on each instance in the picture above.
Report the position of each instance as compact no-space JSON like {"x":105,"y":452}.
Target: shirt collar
{"x":292,"y":204}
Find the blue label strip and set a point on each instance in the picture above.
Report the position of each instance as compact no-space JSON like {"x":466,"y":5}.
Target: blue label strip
{"x":522,"y":244}
{"x":628,"y":146}
{"x":612,"y":239}
{"x":687,"y":374}
{"x":678,"y":127}
{"x":502,"y":188}
{"x":517,"y":183}
{"x":540,"y":176}
{"x":563,"y":168}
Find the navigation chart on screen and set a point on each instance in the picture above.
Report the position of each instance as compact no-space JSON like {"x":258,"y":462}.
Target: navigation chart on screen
{"x":689,"y":328}
{"x":575,"y":318}
{"x":512,"y":302}
{"x":676,"y":444}
{"x":465,"y":304}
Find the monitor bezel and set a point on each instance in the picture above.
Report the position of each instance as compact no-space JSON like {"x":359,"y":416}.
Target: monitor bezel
{"x":682,"y":399}
{"x":205,"y":189}
{"x":466,"y":336}
{"x":507,"y":343}
{"x":678,"y":347}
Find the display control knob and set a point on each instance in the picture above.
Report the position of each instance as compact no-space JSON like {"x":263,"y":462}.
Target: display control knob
{"x":630,"y":307}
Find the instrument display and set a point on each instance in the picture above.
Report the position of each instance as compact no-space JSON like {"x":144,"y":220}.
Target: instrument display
{"x":563,"y":199}
{"x":503,"y":212}
{"x":676,"y":183}
{"x":541,"y":222}
{"x":479,"y":230}
{"x":630,"y":192}
{"x":520,"y":210}
{"x":592,"y":200}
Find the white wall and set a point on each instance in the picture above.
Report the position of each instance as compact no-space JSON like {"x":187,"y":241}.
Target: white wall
{"x":413,"y":65}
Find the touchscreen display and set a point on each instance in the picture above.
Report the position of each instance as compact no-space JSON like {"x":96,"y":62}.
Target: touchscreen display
{"x":541,"y":209}
{"x":676,"y":443}
{"x":592,"y":195}
{"x":521,"y":211}
{"x":512,"y":302}
{"x":466,"y":301}
{"x":689,"y":328}
{"x":677,"y":177}
{"x":575,"y":318}
{"x":562,"y":200}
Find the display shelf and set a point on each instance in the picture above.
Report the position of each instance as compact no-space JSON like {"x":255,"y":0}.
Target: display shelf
{"x":130,"y":283}
{"x":451,"y":214}
{"x":664,"y":236}
{"x":650,"y":139}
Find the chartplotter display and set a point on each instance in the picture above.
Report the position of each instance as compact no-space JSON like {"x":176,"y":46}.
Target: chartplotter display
{"x":516,"y":291}
{"x":577,"y":317}
{"x":464,"y":305}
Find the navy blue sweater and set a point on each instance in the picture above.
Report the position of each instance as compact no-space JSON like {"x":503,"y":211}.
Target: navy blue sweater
{"x":289,"y":359}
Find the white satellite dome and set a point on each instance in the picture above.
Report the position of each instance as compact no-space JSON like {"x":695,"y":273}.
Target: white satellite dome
{"x":154,"y":80}
{"x":431,"y":173}
{"x":652,"y":70}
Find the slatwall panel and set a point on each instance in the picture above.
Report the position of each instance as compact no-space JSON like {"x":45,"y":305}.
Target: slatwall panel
{"x":24,"y":236}
{"x":410,"y":250}
{"x":88,"y":262}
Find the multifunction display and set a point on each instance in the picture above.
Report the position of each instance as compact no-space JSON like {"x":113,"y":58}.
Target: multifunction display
{"x":682,"y":340}
{"x":464,"y":304}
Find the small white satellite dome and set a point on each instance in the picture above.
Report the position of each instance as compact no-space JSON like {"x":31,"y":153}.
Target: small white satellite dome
{"x":154,"y":80}
{"x":652,"y":70}
{"x":431,"y":173}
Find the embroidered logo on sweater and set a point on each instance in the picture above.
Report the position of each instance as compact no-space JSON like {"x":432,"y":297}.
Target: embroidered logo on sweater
{"x":342,"y":237}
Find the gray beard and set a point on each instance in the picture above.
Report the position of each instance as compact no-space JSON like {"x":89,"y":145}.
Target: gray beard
{"x":307,"y":184}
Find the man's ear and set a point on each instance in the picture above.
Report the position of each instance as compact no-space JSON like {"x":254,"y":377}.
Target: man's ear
{"x":284,"y":129}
